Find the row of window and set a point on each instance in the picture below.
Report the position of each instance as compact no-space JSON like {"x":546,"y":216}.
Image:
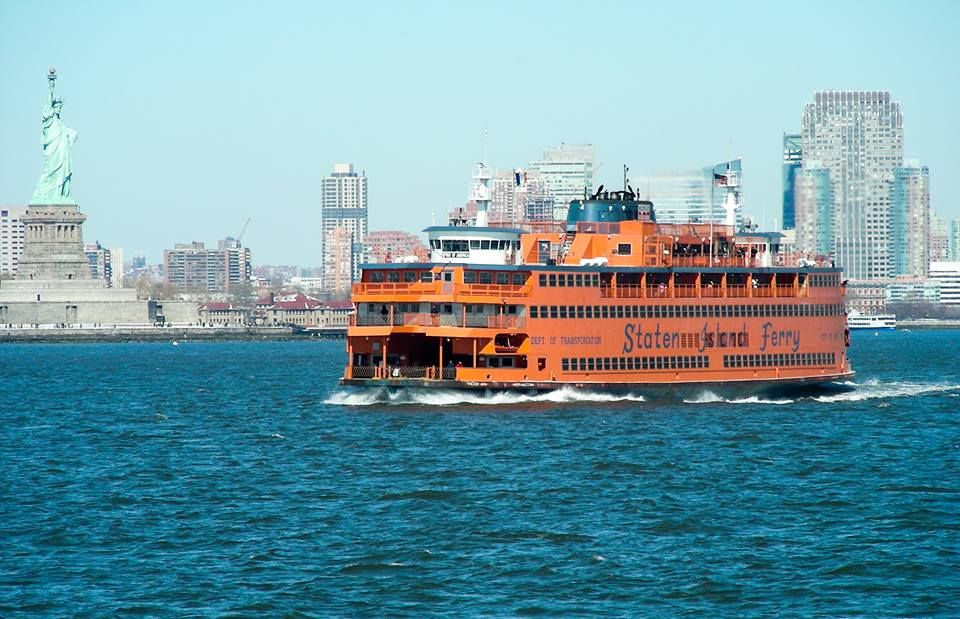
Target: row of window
{"x":462,"y":245}
{"x":684,"y":311}
{"x":616,"y":364}
{"x":779,"y":360}
{"x":570,"y":280}
{"x":488,"y":277}
{"x":825,"y":281}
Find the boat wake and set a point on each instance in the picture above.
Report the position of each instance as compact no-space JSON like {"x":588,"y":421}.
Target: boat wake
{"x":431,"y":397}
{"x":873,"y":389}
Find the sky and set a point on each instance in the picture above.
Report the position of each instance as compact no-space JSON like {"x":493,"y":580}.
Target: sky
{"x":195,"y":116}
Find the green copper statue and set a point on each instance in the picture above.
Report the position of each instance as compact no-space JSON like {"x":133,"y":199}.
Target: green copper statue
{"x":54,"y":184}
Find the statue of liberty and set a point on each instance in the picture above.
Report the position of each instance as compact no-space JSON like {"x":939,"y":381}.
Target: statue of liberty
{"x":54,"y":184}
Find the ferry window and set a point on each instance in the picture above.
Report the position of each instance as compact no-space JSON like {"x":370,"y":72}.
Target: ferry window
{"x":670,"y":311}
{"x":624,"y":249}
{"x":553,"y":311}
{"x":565,"y":365}
{"x":543,"y":279}
{"x":563,"y":311}
{"x":519,"y":279}
{"x":533,"y":311}
{"x":596,"y":311}
{"x":543,"y":311}
{"x":454,"y":245}
{"x":605,"y":312}
{"x":606,"y":363}
{"x":469,"y":277}
{"x":562,"y":281}
{"x":513,"y":309}
{"x":486,"y":277}
{"x":590,"y":365}
{"x":589,"y":311}
{"x":579,"y":311}
{"x":393,"y":276}
{"x":659,"y":363}
{"x":633,"y":311}
{"x":621,"y":363}
{"x":579,"y":280}
{"x":583,"y":364}
{"x":503,"y":278}
{"x":474,"y":244}
{"x":484,"y":244}
{"x":409,"y":276}
{"x":570,"y":281}
{"x":619,"y":311}
{"x":644,"y":363}
{"x":643,"y":311}
{"x":426,"y":276}
{"x":553,"y":279}
{"x":376,"y":276}
{"x":595,"y":280}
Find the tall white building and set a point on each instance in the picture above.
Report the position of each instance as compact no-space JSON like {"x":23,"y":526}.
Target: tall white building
{"x":11,"y":238}
{"x":910,"y":222}
{"x":858,"y":137}
{"x":343,"y":223}
{"x":567,"y":173}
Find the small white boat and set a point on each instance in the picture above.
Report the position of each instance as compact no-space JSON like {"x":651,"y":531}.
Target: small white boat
{"x":856,"y":320}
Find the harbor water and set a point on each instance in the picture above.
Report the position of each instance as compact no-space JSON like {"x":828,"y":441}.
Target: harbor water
{"x":236,"y":479}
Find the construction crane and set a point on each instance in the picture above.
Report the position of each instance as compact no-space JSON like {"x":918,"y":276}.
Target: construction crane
{"x":242,"y":230}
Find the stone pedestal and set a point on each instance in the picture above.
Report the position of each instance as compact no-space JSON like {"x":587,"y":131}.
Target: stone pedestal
{"x":53,"y":243}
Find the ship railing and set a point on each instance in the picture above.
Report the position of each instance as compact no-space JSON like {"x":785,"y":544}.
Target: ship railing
{"x":786,"y":290}
{"x":737,"y":292}
{"x":501,"y":290}
{"x":711,"y":292}
{"x":363,"y":371}
{"x":506,"y":322}
{"x":762,"y":291}
{"x":429,"y":372}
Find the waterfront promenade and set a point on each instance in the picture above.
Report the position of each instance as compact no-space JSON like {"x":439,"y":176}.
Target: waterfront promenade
{"x":138,"y":332}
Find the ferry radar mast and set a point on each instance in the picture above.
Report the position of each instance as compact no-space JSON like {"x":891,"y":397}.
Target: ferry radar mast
{"x":480,"y":192}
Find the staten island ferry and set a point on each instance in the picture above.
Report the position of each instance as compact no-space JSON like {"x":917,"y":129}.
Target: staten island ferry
{"x":615,"y":301}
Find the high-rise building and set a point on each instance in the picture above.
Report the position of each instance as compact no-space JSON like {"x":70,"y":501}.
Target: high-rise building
{"x":698,"y":195}
{"x":343,"y":224}
{"x":813,"y":202}
{"x":939,"y":238}
{"x":11,"y":239}
{"x":858,"y":136}
{"x":193,"y":267}
{"x":116,"y":260}
{"x":954,"y":240}
{"x":910,"y":221}
{"x":101,"y":262}
{"x":567,"y":173}
{"x":392,"y":246}
{"x":518,"y":197}
{"x":792,"y":162}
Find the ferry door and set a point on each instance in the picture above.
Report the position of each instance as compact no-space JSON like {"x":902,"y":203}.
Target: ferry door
{"x":543,"y":251}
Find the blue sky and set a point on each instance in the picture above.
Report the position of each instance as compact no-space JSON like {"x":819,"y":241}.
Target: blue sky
{"x":193,"y":117}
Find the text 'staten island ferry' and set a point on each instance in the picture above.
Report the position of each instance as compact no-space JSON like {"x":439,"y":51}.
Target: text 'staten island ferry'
{"x":616,"y":302}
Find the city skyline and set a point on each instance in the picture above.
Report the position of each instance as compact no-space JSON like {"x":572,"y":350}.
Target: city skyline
{"x":241,"y":120}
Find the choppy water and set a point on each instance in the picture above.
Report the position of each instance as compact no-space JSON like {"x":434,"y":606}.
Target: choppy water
{"x":235,"y":479}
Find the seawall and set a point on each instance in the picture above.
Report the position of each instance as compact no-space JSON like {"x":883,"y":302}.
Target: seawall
{"x":143,"y":333}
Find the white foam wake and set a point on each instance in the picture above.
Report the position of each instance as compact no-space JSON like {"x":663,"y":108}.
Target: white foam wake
{"x":450,"y":397}
{"x":875,"y":389}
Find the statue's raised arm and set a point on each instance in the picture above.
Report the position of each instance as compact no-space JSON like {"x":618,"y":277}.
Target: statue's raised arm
{"x":57,"y":140}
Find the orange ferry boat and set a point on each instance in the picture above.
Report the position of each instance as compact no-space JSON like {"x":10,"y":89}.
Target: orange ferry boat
{"x":614,"y":302}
